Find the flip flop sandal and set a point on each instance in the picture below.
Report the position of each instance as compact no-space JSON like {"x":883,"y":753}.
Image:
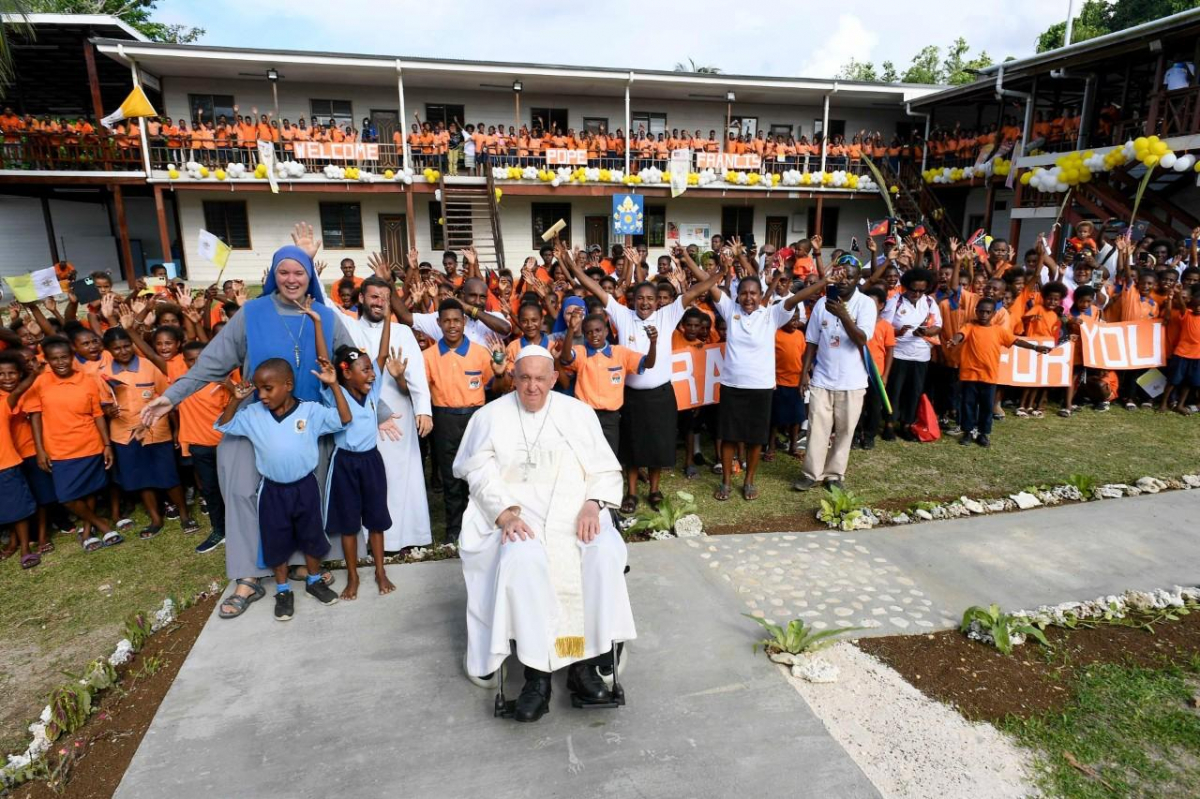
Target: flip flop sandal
{"x":150,"y":531}
{"x":655,"y":499}
{"x":112,"y":538}
{"x":191,"y":526}
{"x":239,"y":602}
{"x":1021,"y":413}
{"x":7,"y":555}
{"x":691,"y":472}
{"x":629,"y":505}
{"x":722,"y":493}
{"x":1037,"y":414}
{"x":749,"y":492}
{"x":46,"y":548}
{"x":31,"y":560}
{"x":124,"y":524}
{"x":295,"y":575}
{"x":92,"y":544}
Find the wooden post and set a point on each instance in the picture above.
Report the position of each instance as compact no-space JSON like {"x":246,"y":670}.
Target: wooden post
{"x":1155,"y":98}
{"x":50,"y":229}
{"x":123,"y":236}
{"x":164,"y":235}
{"x":89,"y":58}
{"x":412,"y":220}
{"x":820,"y":211}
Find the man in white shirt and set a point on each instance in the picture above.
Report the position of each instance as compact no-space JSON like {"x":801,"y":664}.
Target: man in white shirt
{"x":481,"y":326}
{"x":917,"y":319}
{"x":835,"y":375}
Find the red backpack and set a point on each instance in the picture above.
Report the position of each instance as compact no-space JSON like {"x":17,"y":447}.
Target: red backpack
{"x":926,"y":427}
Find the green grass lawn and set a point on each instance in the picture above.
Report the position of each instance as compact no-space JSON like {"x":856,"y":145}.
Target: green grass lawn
{"x":1134,"y":723}
{"x":71,"y":609}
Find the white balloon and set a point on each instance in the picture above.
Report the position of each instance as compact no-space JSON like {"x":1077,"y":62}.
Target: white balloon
{"x":1168,"y":160}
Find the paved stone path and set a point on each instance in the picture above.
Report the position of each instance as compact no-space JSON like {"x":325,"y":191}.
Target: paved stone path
{"x":921,"y":577}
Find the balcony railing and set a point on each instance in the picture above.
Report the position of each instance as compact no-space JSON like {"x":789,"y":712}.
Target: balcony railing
{"x":71,"y":152}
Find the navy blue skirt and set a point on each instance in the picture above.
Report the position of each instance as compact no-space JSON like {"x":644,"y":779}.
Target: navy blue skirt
{"x":356,"y":493}
{"x":1183,"y":372}
{"x":18,"y":501}
{"x":40,"y":482}
{"x":141,"y":465}
{"x":76,"y":478}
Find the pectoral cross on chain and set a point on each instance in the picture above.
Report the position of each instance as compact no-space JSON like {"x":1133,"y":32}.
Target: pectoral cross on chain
{"x":527,"y":466}
{"x":296,"y":349}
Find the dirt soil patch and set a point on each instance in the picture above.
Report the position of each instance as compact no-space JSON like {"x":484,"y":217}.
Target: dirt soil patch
{"x":987,"y":686}
{"x":91,"y":761}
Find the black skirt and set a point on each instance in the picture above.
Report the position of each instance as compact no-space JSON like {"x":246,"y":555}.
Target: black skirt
{"x":745,"y":415}
{"x":649,"y":419}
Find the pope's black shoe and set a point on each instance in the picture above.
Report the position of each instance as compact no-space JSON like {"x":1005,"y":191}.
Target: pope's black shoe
{"x":585,"y":683}
{"x":534,"y":701}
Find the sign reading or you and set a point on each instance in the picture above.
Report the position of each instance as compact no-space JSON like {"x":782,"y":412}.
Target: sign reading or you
{"x":723,"y":161}
{"x":336,"y":151}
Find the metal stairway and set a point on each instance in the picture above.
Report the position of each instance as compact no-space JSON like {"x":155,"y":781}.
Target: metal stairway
{"x":471,"y":218}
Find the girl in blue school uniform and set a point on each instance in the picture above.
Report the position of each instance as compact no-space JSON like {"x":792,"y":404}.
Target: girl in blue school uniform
{"x":356,"y":489}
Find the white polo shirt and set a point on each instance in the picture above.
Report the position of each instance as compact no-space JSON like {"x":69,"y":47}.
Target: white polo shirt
{"x":839,"y":362}
{"x":631,"y":333}
{"x":902,"y":313}
{"x":750,"y":342}
{"x":474,"y":330}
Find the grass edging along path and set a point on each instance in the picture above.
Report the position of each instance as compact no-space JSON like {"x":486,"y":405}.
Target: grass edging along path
{"x":1109,"y":711}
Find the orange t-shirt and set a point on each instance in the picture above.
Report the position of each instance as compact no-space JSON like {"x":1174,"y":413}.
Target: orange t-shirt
{"x":134,"y":386}
{"x":981,"y":348}
{"x":9,"y":456}
{"x":22,"y":430}
{"x":679,"y":342}
{"x":1040,"y":322}
{"x":1133,"y":307}
{"x":199,"y":412}
{"x":1188,"y":345}
{"x":457,"y":377}
{"x":883,"y":339}
{"x":789,"y":357}
{"x":600,"y":376}
{"x":69,"y":407}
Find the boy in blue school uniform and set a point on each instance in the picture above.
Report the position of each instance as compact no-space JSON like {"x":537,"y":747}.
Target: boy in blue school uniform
{"x":285,"y":433}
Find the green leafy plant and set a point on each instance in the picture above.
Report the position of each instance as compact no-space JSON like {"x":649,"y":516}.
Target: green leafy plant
{"x":138,"y":630}
{"x":1001,"y":626}
{"x":670,"y":510}
{"x":840,"y":506}
{"x":70,"y":706}
{"x":795,"y":639}
{"x":1085,"y":483}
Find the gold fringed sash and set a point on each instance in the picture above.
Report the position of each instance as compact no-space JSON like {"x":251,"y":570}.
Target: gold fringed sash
{"x":570,"y":646}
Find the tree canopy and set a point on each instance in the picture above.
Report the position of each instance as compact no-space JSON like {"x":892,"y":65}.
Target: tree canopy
{"x":927,"y":66}
{"x":1098,"y":17}
{"x":137,"y":13}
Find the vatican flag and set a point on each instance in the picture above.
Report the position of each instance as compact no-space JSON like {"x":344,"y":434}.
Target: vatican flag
{"x":135,"y":105}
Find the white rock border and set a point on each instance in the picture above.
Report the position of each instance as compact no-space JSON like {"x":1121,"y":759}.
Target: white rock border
{"x":866,"y":518}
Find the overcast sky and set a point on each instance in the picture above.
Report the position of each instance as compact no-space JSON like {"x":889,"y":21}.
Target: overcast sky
{"x":800,"y":39}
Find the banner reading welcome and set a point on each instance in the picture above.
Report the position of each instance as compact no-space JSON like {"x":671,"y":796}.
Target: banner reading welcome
{"x":336,"y":151}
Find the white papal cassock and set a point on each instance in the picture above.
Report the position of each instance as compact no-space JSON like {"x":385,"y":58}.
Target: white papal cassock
{"x":407,"y":500}
{"x":548,"y":592}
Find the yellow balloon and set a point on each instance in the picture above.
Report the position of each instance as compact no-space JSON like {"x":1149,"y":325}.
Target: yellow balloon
{"x":1150,"y":160}
{"x":389,"y":174}
{"x":203,"y":171}
{"x":219,"y":174}
{"x":1026,"y":177}
{"x":173,"y":174}
{"x":1160,"y":148}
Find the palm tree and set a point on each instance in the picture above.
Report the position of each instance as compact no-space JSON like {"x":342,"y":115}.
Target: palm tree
{"x":690,"y":66}
{"x":14,"y":19}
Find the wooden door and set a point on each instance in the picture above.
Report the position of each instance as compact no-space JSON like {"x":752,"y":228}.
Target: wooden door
{"x":393,"y":238}
{"x":596,"y":232}
{"x":777,"y":231}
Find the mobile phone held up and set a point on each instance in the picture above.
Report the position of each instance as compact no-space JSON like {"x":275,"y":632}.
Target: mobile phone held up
{"x":833,"y":292}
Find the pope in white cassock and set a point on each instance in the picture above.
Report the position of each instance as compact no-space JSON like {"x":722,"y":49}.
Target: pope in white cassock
{"x":543,"y":563}
{"x":407,"y":501}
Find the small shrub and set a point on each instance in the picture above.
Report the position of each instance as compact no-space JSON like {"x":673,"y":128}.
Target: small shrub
{"x":795,"y":639}
{"x":670,"y":510}
{"x":840,"y":506}
{"x":1086,"y":484}
{"x":1000,"y":626}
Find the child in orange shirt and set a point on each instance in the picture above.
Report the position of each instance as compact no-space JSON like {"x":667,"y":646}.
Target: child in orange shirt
{"x":18,"y":503}
{"x":145,"y":457}
{"x":70,"y":432}
{"x":1042,"y":321}
{"x":1183,"y":369}
{"x":979,"y":369}
{"x":600,"y":369}
{"x":880,"y":346}
{"x":787,"y":403}
{"x":198,"y":442}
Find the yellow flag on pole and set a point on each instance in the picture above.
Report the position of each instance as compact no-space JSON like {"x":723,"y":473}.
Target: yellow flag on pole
{"x":135,"y":105}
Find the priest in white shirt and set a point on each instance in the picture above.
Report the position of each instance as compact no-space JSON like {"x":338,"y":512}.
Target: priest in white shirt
{"x":543,"y":562}
{"x":408,"y":503}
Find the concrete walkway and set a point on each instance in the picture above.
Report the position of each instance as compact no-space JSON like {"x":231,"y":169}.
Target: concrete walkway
{"x":367,"y":698}
{"x":922,"y":577}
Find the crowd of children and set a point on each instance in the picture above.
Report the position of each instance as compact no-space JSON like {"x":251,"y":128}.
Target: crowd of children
{"x":74,"y":380}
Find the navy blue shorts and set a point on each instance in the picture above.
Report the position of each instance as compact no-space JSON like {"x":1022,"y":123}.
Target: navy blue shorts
{"x":40,"y":482}
{"x":787,"y":406}
{"x":289,"y":519}
{"x":356,"y":494}
{"x":77,"y":478}
{"x":18,"y":501}
{"x":141,"y":465}
{"x":1183,"y":372}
